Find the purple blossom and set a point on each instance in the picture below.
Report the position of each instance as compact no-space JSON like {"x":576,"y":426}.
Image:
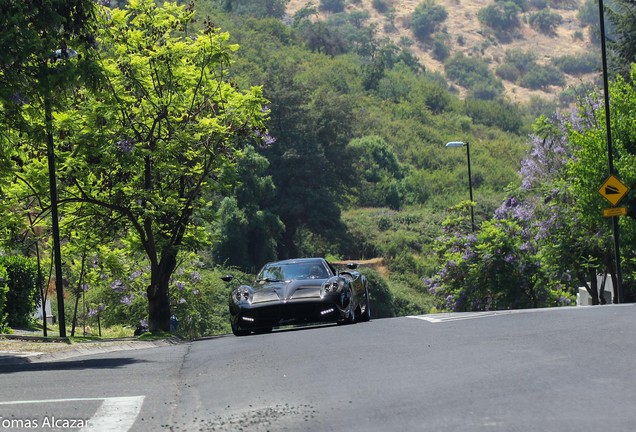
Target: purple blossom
{"x":469,"y":254}
{"x":127,"y":300}
{"x":180,"y":285}
{"x":265,"y":137}
{"x":196,"y":292}
{"x":126,"y":145}
{"x":135,"y":275}
{"x":450,"y":302}
{"x":195,"y":277}
{"x":182,"y":300}
{"x":118,"y":286}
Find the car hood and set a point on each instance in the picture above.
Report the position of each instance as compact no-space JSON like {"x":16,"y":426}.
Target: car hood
{"x":288,"y":290}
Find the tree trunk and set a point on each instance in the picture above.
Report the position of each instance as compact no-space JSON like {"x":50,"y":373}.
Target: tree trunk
{"x":159,"y":293}
{"x":593,"y":288}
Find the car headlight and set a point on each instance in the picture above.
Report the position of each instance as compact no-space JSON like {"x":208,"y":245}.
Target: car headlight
{"x":332,"y":286}
{"x":242,"y":294}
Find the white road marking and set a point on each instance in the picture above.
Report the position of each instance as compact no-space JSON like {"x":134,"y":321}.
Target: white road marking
{"x":115,"y":414}
{"x":460,"y":316}
{"x":440,"y":318}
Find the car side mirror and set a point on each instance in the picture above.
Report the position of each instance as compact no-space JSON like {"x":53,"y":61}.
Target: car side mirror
{"x":352,"y":266}
{"x":227,"y":278}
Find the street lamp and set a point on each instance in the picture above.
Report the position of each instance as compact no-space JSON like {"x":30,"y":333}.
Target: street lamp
{"x":470,"y":177}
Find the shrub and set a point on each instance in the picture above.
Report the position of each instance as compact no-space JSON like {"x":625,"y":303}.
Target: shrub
{"x":472,"y":74}
{"x":575,"y":65}
{"x":381,"y":5}
{"x":23,"y":294}
{"x":542,"y":77}
{"x":426,"y":19}
{"x":545,"y":21}
{"x":380,"y":296}
{"x":501,"y":16}
{"x":441,"y":50}
{"x":508,"y":72}
{"x":524,"y":5}
{"x":588,"y":13}
{"x":499,"y":113}
{"x":522,"y":60}
{"x":334,"y":6}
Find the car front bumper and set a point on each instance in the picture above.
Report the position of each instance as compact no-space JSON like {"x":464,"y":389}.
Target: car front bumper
{"x":275,"y":314}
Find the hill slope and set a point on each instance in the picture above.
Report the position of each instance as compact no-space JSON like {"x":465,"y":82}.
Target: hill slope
{"x":462,"y":24}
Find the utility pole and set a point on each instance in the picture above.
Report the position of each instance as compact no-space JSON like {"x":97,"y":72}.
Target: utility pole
{"x":610,"y":155}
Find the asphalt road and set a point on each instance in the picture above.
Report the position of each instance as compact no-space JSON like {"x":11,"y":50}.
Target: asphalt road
{"x":542,"y":370}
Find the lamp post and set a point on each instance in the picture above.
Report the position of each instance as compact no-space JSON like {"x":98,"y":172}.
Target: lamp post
{"x":470,"y":177}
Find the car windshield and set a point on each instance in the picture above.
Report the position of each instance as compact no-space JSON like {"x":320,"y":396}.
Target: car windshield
{"x":292,"y":271}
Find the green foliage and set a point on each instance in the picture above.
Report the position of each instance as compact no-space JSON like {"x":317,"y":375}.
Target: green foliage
{"x":380,"y":295}
{"x":333,"y":6}
{"x":545,"y":21}
{"x":622,"y":28}
{"x":4,"y":289}
{"x":524,"y":5}
{"x":542,"y":77}
{"x":255,"y":8}
{"x":426,"y":19}
{"x":382,"y":6}
{"x":502,"y":17}
{"x":500,"y":113}
{"x":588,"y":13}
{"x":577,"y":65}
{"x":379,"y":171}
{"x":23,"y":294}
{"x":491,"y":270}
{"x":473,"y":74}
{"x":148,"y":153}
{"x":441,"y":48}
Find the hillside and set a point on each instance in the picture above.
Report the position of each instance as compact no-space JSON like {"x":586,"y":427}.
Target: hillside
{"x":462,"y":23}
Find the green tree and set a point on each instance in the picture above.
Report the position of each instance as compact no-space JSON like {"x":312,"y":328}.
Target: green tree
{"x":622,"y":14}
{"x":378,"y":171}
{"x":247,"y":234}
{"x":160,"y":136}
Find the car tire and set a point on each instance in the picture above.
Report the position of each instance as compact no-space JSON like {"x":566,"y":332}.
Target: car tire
{"x":366,"y":315}
{"x":239,"y":332}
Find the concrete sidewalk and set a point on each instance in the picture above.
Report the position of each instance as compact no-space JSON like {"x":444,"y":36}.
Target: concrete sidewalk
{"x":20,"y":351}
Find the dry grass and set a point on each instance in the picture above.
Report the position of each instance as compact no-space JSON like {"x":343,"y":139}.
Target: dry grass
{"x":462,"y":21}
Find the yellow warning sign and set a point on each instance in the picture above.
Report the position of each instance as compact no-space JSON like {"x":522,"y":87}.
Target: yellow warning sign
{"x":613,"y":189}
{"x":615,"y":211}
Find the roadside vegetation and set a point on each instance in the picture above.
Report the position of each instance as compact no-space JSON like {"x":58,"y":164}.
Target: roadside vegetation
{"x":196,"y":141}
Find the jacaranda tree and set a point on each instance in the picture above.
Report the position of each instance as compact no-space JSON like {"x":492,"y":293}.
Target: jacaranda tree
{"x":160,"y":136}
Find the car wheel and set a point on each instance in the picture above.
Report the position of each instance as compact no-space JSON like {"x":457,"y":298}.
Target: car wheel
{"x":239,"y":332}
{"x":351,"y":319}
{"x":366,"y":315}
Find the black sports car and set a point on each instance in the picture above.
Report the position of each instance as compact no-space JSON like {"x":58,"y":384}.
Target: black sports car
{"x":299,"y":291}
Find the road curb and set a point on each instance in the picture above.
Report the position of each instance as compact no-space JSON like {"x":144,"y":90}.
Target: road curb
{"x":77,"y":350}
